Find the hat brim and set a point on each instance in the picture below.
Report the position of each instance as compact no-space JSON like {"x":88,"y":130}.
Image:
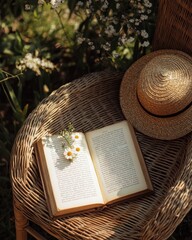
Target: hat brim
{"x":166,"y":128}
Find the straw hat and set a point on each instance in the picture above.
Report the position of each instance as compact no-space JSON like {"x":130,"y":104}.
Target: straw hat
{"x":156,"y":94}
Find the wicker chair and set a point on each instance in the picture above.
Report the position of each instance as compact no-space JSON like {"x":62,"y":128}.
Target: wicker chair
{"x":174,"y":26}
{"x":92,"y":102}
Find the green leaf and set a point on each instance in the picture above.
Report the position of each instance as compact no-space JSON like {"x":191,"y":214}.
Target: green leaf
{"x":25,"y":110}
{"x":7,"y":51}
{"x":18,"y":43}
{"x":11,"y":97}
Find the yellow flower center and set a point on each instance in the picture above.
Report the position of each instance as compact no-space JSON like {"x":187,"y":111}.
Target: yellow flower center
{"x":78,"y":149}
{"x":69,"y":154}
{"x":76,"y":136}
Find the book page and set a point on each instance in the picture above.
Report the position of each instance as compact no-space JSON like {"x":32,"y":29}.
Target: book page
{"x":116,"y":160}
{"x":74,"y":182}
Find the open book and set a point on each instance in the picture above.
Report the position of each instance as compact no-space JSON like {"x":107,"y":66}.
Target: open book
{"x":109,"y":168}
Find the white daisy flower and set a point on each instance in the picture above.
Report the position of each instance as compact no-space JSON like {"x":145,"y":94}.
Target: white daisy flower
{"x":68,"y":153}
{"x":77,"y":148}
{"x":76,"y":136}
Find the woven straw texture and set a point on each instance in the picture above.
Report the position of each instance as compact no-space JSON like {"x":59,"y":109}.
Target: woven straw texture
{"x":174,"y":26}
{"x":92,"y":102}
{"x":166,"y":92}
{"x":155,"y":89}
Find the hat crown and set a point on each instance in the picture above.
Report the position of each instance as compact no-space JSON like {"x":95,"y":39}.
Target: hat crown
{"x":165,"y":85}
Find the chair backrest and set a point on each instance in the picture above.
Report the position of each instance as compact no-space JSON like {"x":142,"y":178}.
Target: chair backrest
{"x":174,"y":26}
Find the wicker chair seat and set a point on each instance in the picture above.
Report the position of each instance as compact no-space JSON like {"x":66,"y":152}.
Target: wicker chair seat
{"x":92,"y":102}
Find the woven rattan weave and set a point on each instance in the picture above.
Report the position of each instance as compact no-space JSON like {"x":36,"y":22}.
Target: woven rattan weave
{"x":89,"y":103}
{"x":174,"y":26}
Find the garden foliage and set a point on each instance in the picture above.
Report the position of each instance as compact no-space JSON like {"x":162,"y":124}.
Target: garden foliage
{"x":47,"y":43}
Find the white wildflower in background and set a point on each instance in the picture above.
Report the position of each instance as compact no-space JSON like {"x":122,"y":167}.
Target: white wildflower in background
{"x":110,"y":31}
{"x":124,"y":23}
{"x":144,"y":34}
{"x":56,"y":3}
{"x":35,"y":64}
{"x":41,"y":2}
{"x":80,"y":40}
{"x":123,"y":39}
{"x":106,"y":46}
{"x":145,"y":44}
{"x":107,"y":25}
{"x":147,"y":4}
{"x":143,"y":17}
{"x":118,"y":5}
{"x":105,"y":5}
{"x":130,"y":39}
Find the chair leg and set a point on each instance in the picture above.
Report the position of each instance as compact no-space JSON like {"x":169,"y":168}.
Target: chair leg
{"x":20,"y":224}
